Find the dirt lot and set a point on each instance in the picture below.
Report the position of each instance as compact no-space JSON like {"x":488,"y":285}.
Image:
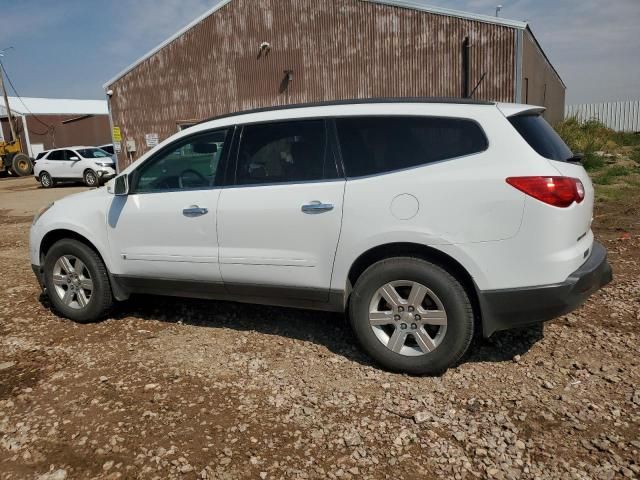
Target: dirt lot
{"x":172,"y":388}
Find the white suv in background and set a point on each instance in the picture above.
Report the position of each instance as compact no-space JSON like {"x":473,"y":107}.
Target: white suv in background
{"x":426,"y":221}
{"x":91,"y":165}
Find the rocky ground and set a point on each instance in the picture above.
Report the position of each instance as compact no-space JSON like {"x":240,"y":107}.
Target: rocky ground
{"x":172,"y":388}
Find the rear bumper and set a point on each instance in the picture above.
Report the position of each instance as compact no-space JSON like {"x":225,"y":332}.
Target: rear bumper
{"x":511,"y":308}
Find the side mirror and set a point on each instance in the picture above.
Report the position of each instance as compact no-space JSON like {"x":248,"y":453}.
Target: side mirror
{"x":121,"y":185}
{"x":74,"y":159}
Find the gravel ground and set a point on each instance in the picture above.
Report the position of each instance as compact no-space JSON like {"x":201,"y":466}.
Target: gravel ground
{"x":173,"y":388}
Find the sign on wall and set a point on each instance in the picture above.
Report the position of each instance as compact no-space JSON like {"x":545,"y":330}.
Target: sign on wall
{"x":116,"y":134}
{"x":151,"y":139}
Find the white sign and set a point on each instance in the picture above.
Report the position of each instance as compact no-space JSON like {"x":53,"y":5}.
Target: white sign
{"x":151,"y":139}
{"x":117,"y":146}
{"x":131,"y":145}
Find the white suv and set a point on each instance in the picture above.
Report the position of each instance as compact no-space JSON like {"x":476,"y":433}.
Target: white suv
{"x":426,"y":221}
{"x":91,"y":165}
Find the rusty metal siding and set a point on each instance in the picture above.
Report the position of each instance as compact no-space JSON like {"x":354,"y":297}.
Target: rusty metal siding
{"x":87,"y":131}
{"x":541,"y":85}
{"x":337,"y":49}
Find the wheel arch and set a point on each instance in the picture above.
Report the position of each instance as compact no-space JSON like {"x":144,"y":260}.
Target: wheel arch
{"x":53,"y":236}
{"x":424,"y":252}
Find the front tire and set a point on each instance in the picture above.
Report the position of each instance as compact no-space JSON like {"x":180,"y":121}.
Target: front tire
{"x":77,"y":282}
{"x":411,"y":316}
{"x":46,"y":181}
{"x":91,"y":178}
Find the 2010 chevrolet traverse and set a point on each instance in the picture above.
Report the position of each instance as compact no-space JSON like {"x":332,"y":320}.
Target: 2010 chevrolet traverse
{"x":423,"y":220}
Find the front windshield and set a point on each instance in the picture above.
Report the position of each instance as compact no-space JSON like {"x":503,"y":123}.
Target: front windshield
{"x":93,"y":153}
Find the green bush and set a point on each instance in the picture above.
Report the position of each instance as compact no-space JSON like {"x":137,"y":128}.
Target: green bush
{"x":587,"y":138}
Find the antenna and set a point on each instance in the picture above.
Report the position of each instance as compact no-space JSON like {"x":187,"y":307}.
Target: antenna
{"x":477,"y":85}
{"x":498,"y":8}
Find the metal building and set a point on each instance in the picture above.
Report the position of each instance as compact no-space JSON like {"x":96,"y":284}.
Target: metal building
{"x":45,"y":123}
{"x":245,"y":54}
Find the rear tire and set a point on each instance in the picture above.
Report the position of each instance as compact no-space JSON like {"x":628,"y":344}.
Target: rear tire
{"x":77,"y":282}
{"x":21,"y":165}
{"x":426,"y":326}
{"x":45,"y":180}
{"x":91,"y":179}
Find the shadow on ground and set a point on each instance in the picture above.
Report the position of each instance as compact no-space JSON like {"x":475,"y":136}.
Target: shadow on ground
{"x":330,"y":330}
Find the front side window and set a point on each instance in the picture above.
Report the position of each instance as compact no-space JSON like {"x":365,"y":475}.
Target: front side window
{"x":93,"y":153}
{"x":294,"y":151}
{"x":70,"y":154}
{"x":189,"y":164}
{"x":374,"y":145}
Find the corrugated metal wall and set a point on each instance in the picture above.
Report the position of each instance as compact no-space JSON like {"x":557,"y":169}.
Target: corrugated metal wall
{"x":336,"y":49}
{"x":540,"y":83}
{"x":619,"y":116}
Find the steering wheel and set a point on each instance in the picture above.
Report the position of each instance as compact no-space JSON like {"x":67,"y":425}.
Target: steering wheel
{"x":191,"y":171}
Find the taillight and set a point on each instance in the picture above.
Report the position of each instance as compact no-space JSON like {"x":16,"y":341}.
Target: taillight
{"x":556,"y":191}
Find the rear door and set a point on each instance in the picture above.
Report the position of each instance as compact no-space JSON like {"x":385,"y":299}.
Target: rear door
{"x":57,"y":164}
{"x":278,"y":225}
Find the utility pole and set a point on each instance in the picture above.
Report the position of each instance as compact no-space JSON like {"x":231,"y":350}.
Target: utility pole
{"x":6,"y":100}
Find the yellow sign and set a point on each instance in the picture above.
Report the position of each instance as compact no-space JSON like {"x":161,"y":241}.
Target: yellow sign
{"x":117,"y":136}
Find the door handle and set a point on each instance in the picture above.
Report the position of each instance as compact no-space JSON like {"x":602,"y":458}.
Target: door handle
{"x":316,"y":207}
{"x":195,"y":211}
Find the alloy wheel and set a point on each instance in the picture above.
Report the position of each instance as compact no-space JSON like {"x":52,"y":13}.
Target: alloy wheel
{"x":72,"y":282}
{"x":408,"y":318}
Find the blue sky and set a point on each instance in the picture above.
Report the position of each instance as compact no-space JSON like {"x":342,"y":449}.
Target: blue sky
{"x":69,"y":48}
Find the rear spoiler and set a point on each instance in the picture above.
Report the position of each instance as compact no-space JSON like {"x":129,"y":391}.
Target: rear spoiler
{"x":515,"y":109}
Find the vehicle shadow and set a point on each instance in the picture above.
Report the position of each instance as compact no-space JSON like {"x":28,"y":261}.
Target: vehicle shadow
{"x":330,"y":330}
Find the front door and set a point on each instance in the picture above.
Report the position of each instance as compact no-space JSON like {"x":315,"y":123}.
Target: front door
{"x":165,"y":229}
{"x":279,"y":224}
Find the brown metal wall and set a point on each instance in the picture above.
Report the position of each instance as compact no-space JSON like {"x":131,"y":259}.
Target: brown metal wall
{"x":337,"y":49}
{"x":88,"y":131}
{"x":544,"y":86}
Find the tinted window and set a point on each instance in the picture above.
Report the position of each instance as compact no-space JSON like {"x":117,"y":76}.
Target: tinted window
{"x":372,"y":145}
{"x":108,"y":149}
{"x":41,"y":154}
{"x":541,"y":137}
{"x":69,"y":154}
{"x":189,"y":164}
{"x":56,"y":155}
{"x":284,"y":152}
{"x":93,"y":153}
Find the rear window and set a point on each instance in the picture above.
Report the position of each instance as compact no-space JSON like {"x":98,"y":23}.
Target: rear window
{"x":541,"y":137}
{"x":374,"y":145}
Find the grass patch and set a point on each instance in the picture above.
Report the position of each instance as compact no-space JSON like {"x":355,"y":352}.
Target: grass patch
{"x":610,"y":174}
{"x":611,"y":158}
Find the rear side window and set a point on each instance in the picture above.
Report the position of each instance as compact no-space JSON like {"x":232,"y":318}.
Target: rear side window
{"x":373,"y":145}
{"x":541,"y":137}
{"x":56,"y":155}
{"x":285,"y":152}
{"x":41,"y":154}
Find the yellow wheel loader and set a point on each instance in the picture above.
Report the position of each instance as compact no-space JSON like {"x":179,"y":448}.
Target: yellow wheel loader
{"x":13,"y":161}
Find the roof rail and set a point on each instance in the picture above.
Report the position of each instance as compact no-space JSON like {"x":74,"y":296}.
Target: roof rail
{"x":355,"y":101}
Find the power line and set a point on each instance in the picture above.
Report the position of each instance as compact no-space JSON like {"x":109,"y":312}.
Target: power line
{"x":49,"y":127}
